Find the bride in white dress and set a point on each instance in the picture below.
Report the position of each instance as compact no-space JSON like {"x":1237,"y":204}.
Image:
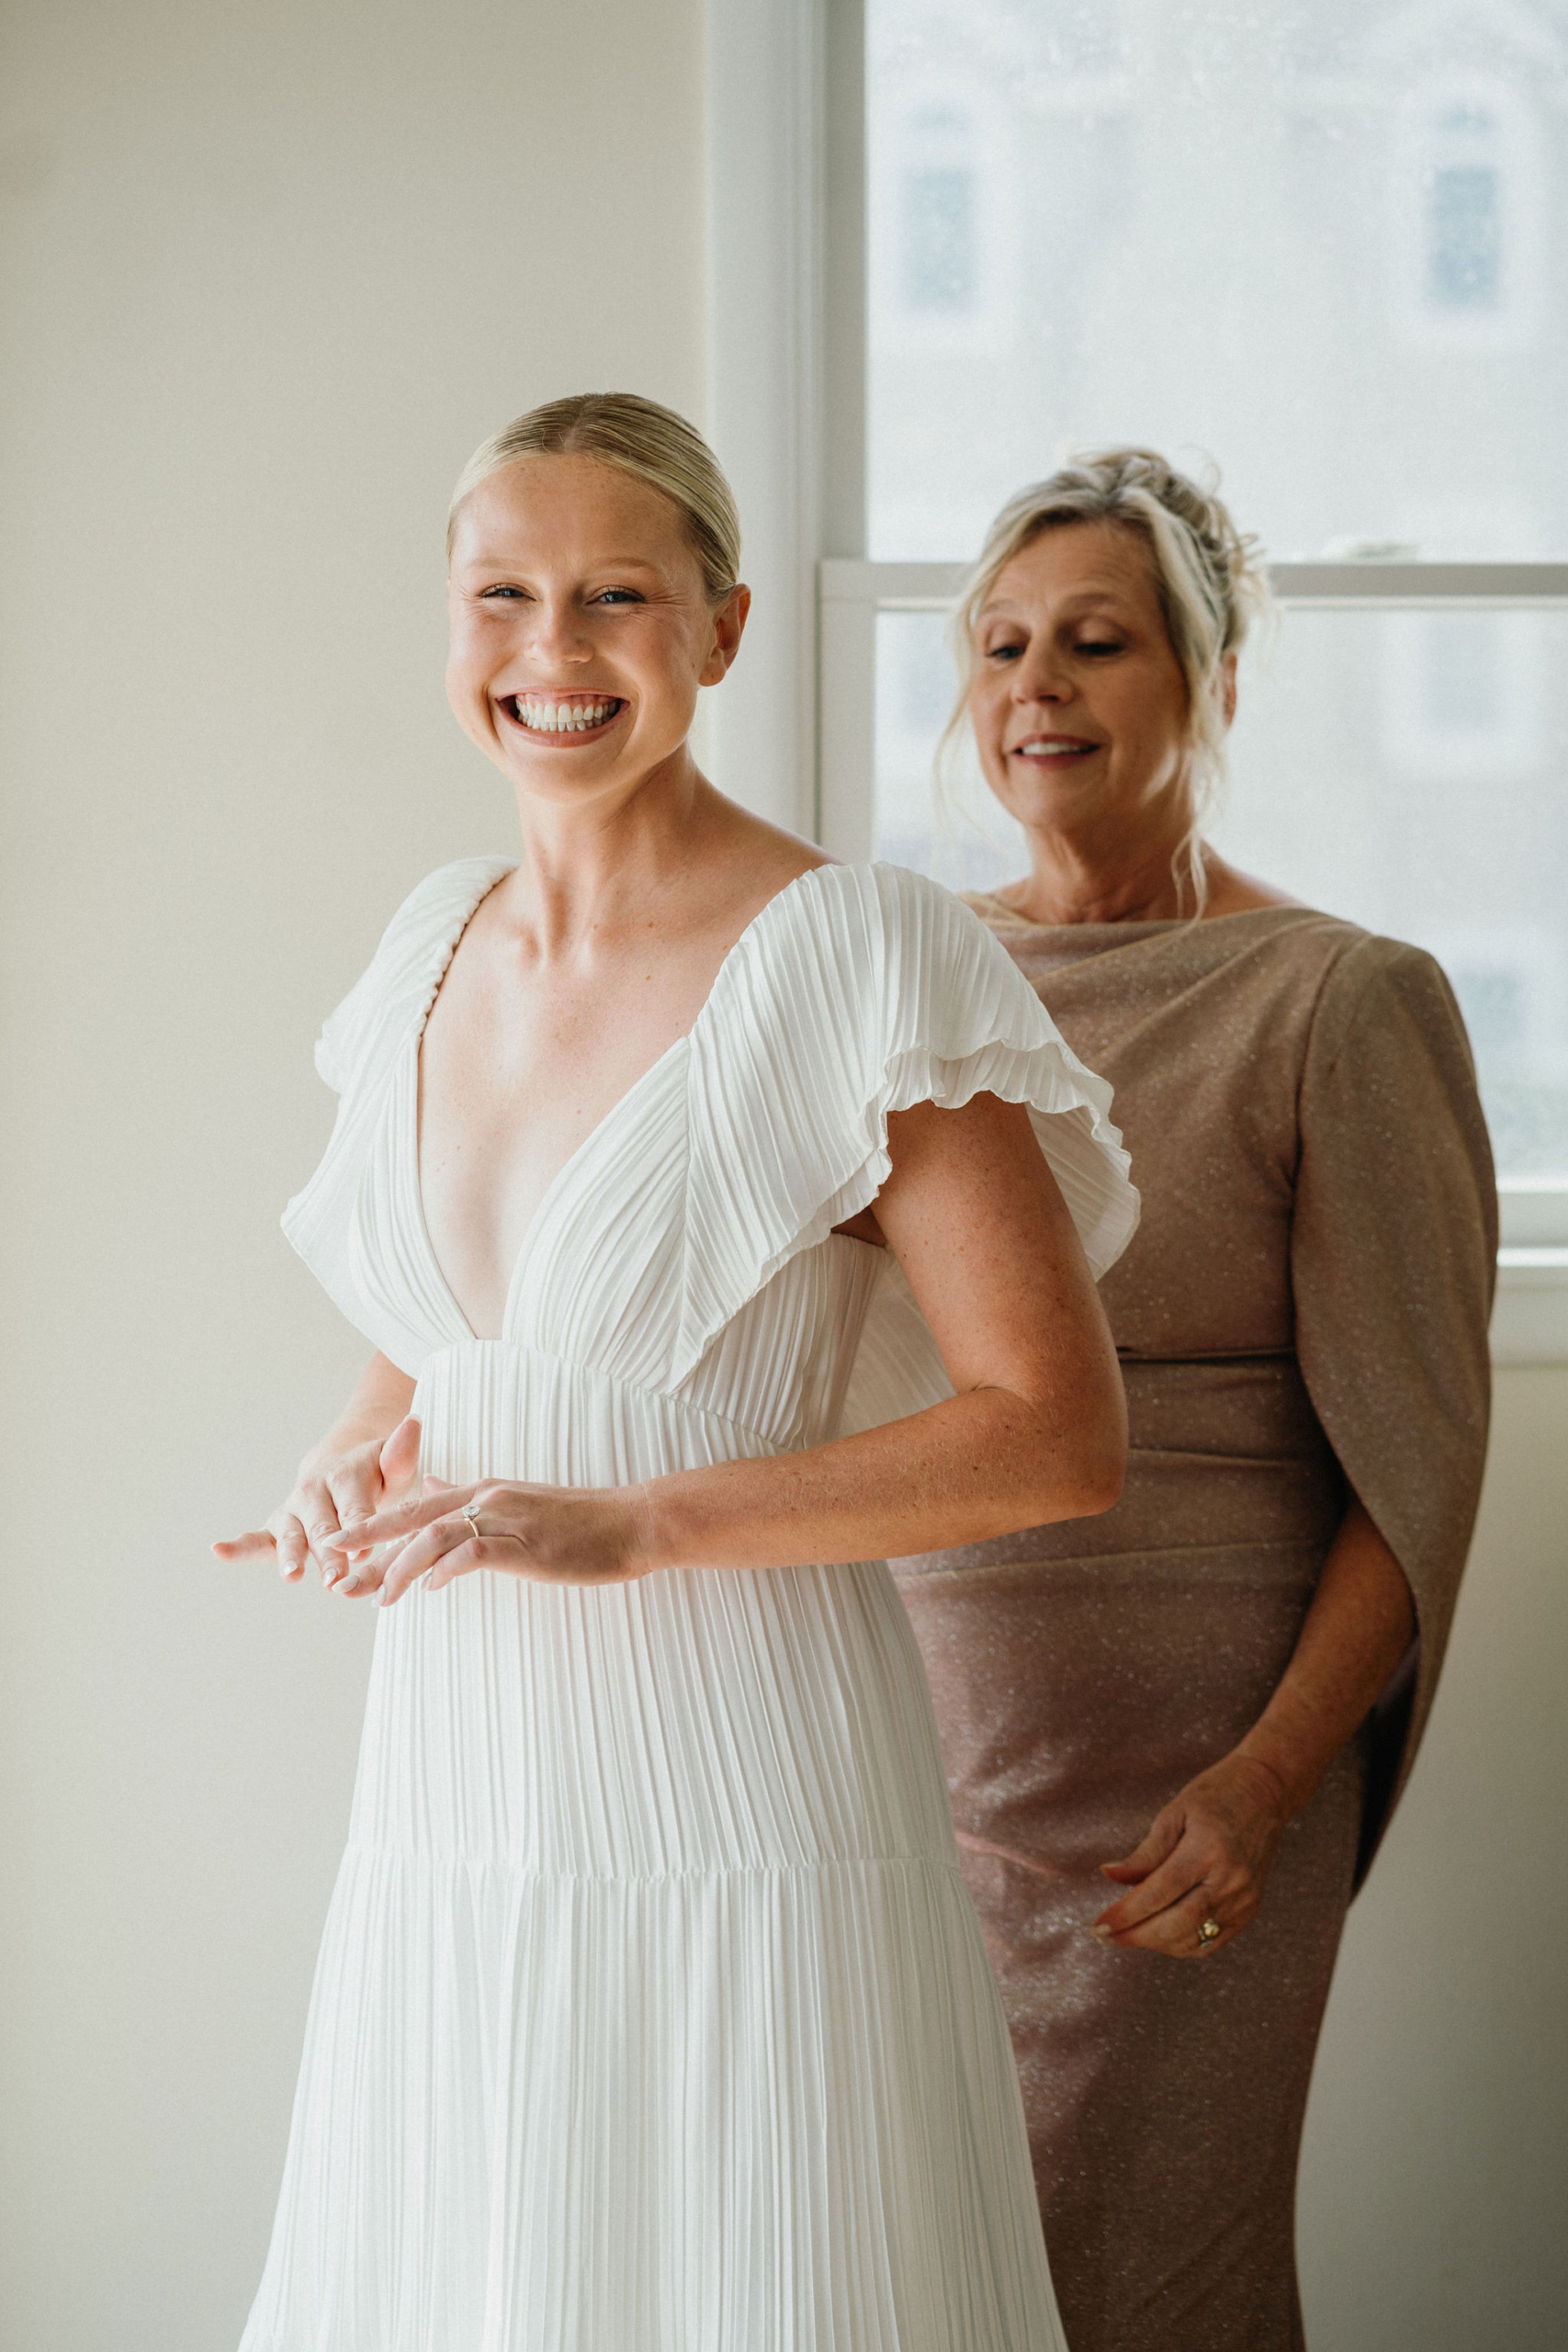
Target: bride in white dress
{"x":723,"y":1219}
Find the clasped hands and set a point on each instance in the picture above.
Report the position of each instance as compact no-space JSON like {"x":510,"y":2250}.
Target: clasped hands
{"x":363,"y":1543}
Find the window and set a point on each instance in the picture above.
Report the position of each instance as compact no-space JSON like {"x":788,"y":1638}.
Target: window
{"x":1202,"y":220}
{"x":1312,"y":242}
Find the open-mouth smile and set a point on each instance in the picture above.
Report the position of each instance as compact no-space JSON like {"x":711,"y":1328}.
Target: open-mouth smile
{"x":1053,"y":750}
{"x":561,"y":718}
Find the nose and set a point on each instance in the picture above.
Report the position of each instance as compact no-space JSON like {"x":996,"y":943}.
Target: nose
{"x":556,"y":633}
{"x":1042,"y":676}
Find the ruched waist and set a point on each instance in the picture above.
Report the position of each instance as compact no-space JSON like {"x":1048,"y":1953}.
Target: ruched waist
{"x":1224,"y":1453}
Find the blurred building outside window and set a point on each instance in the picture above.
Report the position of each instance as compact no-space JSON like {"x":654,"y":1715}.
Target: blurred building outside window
{"x":1325,"y":247}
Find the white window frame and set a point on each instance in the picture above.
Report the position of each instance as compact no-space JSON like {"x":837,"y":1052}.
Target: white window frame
{"x":792,"y":732}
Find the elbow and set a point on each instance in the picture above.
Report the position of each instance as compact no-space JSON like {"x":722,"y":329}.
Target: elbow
{"x":1101,"y":1475}
{"x":1089,"y":1465}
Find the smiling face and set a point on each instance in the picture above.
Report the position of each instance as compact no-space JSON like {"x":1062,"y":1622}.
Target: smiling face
{"x":580,"y":628}
{"x":1078,"y":703}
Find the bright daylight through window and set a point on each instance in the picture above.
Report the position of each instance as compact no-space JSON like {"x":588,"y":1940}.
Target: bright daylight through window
{"x":1323,"y":246}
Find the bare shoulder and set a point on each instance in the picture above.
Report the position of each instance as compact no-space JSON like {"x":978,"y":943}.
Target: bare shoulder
{"x":750,"y":860}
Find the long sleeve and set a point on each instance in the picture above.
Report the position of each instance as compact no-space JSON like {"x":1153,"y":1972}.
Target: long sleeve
{"x":1392,"y":1262}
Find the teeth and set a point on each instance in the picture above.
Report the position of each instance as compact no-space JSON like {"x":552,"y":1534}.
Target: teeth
{"x":562,"y":718}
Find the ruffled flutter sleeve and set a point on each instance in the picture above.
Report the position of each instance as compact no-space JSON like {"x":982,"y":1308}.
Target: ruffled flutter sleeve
{"x":1392,"y":1261}
{"x":872,"y":990}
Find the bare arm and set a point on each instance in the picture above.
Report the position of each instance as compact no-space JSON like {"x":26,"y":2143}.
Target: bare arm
{"x":1036,"y":1430}
{"x":367,"y":1456}
{"x":1207,"y":1852}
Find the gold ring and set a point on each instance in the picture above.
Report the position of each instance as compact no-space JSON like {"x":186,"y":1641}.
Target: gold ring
{"x":473,"y":1517}
{"x":1209,"y":1933}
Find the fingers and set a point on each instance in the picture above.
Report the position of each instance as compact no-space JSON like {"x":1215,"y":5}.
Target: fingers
{"x":356,"y":1489}
{"x":318,"y":1511}
{"x":448,"y":1549}
{"x":1159,"y":1843}
{"x":399,"y":1456}
{"x":1177,"y":1930}
{"x":325,"y":1515}
{"x":397,"y":1521}
{"x":1198,"y":1880}
{"x":1182,"y":1870}
{"x":256,"y":1543}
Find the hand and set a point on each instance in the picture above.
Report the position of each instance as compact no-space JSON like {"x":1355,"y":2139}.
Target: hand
{"x":551,"y":1534}
{"x":1206,"y":1856}
{"x":329,"y":1497}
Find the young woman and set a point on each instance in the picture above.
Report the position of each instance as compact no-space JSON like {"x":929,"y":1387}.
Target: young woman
{"x":651,"y":2012}
{"x":1210,"y":1696}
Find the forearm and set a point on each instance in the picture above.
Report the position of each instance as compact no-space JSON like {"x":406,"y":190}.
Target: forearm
{"x":983,"y":1464}
{"x":1357,"y":1629}
{"x":381,"y":1398}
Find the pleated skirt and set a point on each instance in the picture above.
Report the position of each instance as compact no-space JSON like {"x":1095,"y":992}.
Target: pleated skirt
{"x":652,"y":2014}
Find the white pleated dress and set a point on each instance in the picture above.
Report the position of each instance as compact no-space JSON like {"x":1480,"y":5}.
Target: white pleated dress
{"x":651,"y":2014}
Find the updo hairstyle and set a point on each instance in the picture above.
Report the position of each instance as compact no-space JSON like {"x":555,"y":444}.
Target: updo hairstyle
{"x":622,"y":429}
{"x":1208,"y":575}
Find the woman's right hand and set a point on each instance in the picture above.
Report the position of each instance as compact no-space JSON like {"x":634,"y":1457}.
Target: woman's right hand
{"x":339,"y":1484}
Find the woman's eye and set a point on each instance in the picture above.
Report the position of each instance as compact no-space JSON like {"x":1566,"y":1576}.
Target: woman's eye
{"x":500,"y":589}
{"x":1003,"y":652}
{"x":1099,"y":645}
{"x":617,"y":597}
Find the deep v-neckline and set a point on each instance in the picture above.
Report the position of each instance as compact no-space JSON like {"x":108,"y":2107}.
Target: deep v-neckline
{"x":621,"y":1103}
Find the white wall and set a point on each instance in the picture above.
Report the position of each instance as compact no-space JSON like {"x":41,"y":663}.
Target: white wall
{"x":1435,"y":2173}
{"x":269,"y":270}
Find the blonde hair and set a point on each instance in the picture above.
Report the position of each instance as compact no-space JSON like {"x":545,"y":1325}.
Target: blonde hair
{"x":622,"y":429}
{"x":1208,"y":575}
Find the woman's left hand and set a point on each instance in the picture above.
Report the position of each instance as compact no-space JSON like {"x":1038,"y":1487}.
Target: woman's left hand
{"x":553,"y":1534}
{"x":1206,"y":1856}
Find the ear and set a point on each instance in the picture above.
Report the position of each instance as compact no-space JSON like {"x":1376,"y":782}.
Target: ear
{"x":728,"y":624}
{"x":1227,"y":690}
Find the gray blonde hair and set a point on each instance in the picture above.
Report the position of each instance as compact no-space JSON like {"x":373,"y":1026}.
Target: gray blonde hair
{"x":1208,"y":575}
{"x":622,"y":429}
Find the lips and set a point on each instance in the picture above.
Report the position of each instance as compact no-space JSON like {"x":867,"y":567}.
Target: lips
{"x":561,"y":717}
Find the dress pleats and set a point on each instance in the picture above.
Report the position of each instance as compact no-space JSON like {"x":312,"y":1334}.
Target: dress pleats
{"x":651,"y":2013}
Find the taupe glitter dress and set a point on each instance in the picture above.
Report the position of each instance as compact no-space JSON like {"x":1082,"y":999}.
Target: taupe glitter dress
{"x":1304,"y":1312}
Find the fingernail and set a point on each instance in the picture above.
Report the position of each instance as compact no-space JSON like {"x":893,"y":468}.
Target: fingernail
{"x":1102,"y":1935}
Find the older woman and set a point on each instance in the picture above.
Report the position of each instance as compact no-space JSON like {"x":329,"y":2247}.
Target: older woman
{"x":1210,"y":1696}
{"x":651,"y":2012}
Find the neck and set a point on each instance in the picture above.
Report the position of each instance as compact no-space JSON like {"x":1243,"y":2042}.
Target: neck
{"x":605,"y":864}
{"x":1079,"y":878}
